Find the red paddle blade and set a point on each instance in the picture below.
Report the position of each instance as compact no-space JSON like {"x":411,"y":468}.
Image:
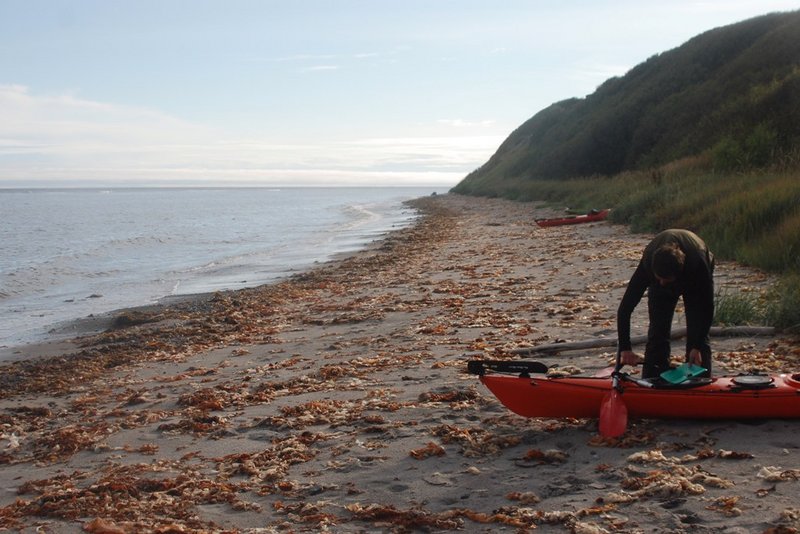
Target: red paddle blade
{"x":613,"y":415}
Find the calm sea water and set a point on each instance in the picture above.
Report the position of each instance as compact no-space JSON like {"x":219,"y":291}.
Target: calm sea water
{"x":67,"y":254}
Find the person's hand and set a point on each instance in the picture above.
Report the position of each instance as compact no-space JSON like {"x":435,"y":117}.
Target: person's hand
{"x":694,"y":357}
{"x":628,"y":357}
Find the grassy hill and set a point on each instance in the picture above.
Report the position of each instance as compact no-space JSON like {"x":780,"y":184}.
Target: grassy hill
{"x":733,"y":91}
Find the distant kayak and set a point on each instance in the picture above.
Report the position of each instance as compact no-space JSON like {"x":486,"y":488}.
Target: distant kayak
{"x":592,"y":216}
{"x":518,"y":387}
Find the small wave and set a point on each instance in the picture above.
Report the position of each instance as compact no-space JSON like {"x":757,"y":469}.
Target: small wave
{"x":362,"y":211}
{"x":134,"y":241}
{"x":359,"y":215}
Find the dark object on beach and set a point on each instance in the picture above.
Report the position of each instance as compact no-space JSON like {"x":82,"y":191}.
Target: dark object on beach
{"x":592,"y":216}
{"x":133,"y":318}
{"x":724,"y":397}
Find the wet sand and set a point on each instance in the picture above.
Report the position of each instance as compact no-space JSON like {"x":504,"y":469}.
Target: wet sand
{"x":338,"y":400}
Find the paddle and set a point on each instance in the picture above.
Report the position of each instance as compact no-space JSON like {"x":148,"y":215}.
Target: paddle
{"x":479,"y":367}
{"x":613,"y":412}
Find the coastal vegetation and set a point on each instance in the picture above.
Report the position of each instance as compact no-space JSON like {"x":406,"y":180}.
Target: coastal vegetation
{"x":704,"y":137}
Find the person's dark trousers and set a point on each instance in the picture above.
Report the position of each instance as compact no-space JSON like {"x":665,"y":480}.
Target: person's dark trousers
{"x":705,"y":346}
{"x":661,"y":301}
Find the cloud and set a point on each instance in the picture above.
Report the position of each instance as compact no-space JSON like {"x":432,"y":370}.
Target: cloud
{"x":66,"y":123}
{"x":319,"y":68}
{"x":194,"y":176}
{"x":51,"y":139}
{"x":303,"y":57}
{"x":461,"y":123}
{"x":434,"y":151}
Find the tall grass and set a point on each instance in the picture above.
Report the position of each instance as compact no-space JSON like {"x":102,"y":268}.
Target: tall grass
{"x":779,"y":308}
{"x":731,"y":309}
{"x":783,"y":308}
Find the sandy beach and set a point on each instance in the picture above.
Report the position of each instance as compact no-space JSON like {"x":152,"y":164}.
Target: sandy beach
{"x":338,"y":400}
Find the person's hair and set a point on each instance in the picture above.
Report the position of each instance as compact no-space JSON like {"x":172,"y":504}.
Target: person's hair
{"x":668,"y":261}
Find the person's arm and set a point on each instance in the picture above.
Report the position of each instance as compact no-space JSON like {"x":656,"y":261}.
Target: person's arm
{"x":633,"y":294}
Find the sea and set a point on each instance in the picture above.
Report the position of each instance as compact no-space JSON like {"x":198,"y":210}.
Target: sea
{"x":68,"y":254}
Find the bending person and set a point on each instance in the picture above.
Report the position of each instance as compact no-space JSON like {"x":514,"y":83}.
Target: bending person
{"x":675,"y":263}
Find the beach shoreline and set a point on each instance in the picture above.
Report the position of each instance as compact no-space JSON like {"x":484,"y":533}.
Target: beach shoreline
{"x":338,"y":400}
{"x":62,"y":337}
{"x":65,"y":336}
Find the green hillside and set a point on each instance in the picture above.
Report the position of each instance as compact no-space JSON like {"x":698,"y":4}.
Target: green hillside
{"x":732,"y":92}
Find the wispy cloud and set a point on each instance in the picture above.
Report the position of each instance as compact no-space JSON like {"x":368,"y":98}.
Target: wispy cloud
{"x":303,"y":57}
{"x":71,"y":122}
{"x":54,"y":138}
{"x":319,"y":68}
{"x":461,"y":123}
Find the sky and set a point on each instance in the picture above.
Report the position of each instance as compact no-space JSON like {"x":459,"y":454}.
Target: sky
{"x":306,"y":92}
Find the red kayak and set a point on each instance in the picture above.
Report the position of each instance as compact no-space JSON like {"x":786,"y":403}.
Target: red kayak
{"x":592,"y":216}
{"x":726,"y":397}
